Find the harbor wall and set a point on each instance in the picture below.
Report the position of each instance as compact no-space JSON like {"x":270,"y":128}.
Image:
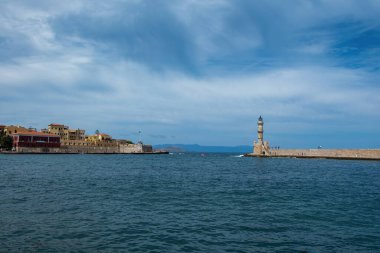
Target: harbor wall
{"x":328,"y":153}
{"x":135,"y":148}
{"x":90,"y":149}
{"x":37,"y":150}
{"x":130,"y":148}
{"x":104,"y":149}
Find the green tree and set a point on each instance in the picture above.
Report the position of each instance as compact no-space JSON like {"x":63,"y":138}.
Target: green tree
{"x":2,"y":135}
{"x":6,"y":142}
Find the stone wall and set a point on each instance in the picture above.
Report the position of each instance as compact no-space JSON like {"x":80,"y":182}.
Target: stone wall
{"x":37,"y":150}
{"x":261,"y":148}
{"x":90,"y":149}
{"x":135,"y":148}
{"x":77,"y":143}
{"x":147,"y":148}
{"x":130,"y":148}
{"x":328,"y":153}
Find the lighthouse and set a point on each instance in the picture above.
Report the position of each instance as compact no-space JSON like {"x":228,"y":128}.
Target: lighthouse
{"x":260,"y":147}
{"x":260,"y":130}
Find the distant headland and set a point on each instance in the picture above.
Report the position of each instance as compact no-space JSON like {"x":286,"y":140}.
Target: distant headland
{"x":262,"y":148}
{"x":60,"y":139}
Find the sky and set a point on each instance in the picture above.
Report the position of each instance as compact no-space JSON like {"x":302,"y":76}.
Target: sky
{"x":194,"y":71}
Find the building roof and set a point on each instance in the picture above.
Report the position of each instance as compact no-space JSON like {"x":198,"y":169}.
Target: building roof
{"x":17,"y":126}
{"x":75,"y":130}
{"x":55,"y":124}
{"x":36,"y":134}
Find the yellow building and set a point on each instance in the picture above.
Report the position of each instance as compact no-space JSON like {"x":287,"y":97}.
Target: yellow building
{"x":76,"y":134}
{"x":58,"y":129}
{"x":76,"y":137}
{"x":16,"y":129}
{"x":64,"y":132}
{"x":99,"y":137}
{"x":97,"y":143}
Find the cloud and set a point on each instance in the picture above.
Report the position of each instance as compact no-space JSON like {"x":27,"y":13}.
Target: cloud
{"x":143,"y":33}
{"x":127,"y":92}
{"x":199,"y":70}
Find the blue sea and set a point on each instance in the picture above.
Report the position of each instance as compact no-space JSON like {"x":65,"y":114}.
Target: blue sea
{"x":187,"y":203}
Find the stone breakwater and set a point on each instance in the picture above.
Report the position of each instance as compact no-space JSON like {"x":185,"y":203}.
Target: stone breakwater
{"x":352,"y":154}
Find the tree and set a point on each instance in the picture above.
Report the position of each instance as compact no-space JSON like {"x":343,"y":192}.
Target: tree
{"x":6,"y":142}
{"x":97,"y":132}
{"x":2,"y":135}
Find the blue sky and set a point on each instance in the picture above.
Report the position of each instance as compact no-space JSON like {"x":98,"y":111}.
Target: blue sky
{"x":195,"y":71}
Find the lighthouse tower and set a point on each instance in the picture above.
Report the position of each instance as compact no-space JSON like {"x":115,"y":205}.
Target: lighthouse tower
{"x":260,"y":130}
{"x":260,"y":147}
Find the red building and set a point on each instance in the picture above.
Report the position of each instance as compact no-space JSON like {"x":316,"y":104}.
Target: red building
{"x":35,"y":140}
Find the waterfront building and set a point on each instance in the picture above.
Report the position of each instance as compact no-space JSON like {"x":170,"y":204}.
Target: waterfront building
{"x":99,"y":137}
{"x":97,"y":143}
{"x":65,"y":132}
{"x":59,"y":138}
{"x":57,"y":129}
{"x":8,"y":130}
{"x":34,"y":141}
{"x":76,"y":134}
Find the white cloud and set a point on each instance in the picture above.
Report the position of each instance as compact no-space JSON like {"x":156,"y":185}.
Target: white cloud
{"x":72,"y":79}
{"x":130,"y":90}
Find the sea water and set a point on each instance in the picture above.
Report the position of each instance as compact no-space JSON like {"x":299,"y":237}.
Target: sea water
{"x":187,"y":203}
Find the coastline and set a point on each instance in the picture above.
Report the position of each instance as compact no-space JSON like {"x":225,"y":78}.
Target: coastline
{"x":64,"y":153}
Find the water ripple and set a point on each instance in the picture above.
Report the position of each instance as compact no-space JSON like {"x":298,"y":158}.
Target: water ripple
{"x":187,"y":203}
